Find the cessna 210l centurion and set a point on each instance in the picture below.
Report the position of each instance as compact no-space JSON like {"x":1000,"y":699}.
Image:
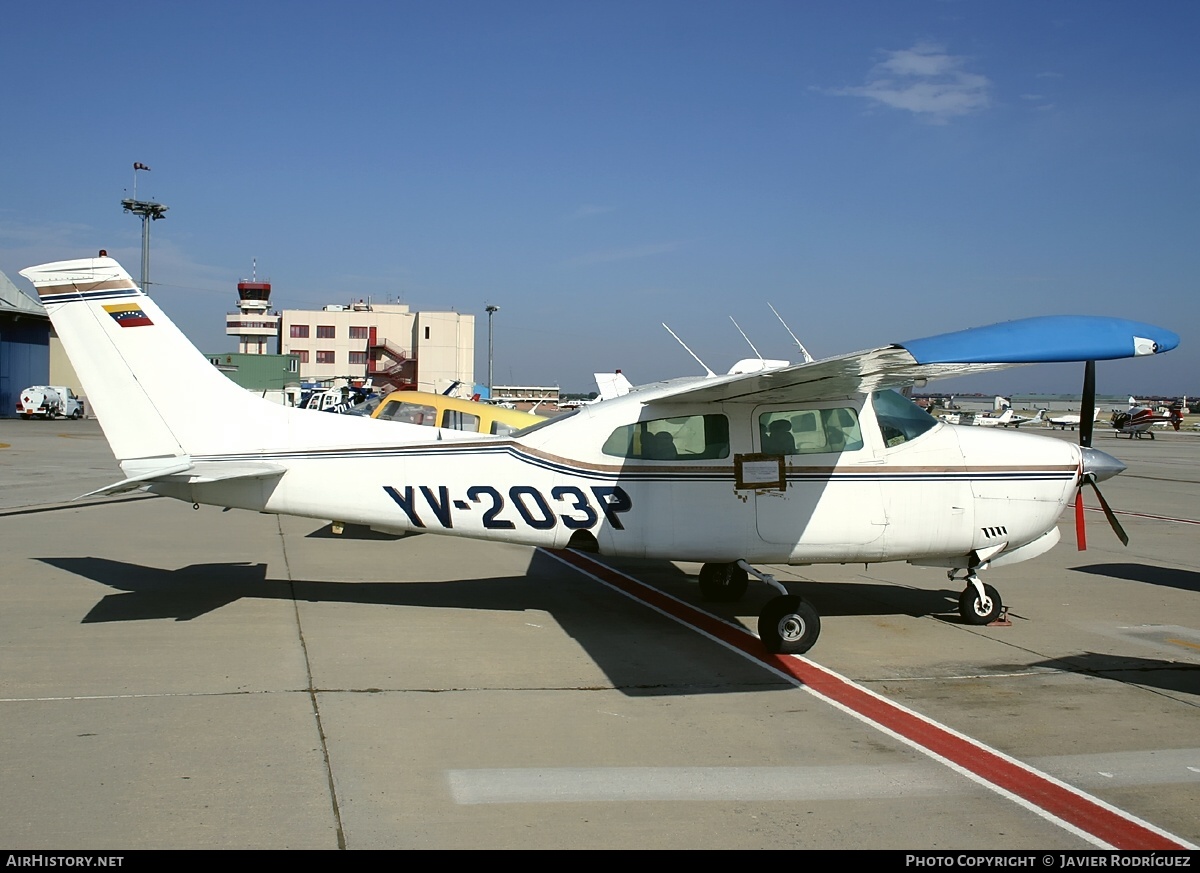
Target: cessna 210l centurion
{"x":804,"y":464}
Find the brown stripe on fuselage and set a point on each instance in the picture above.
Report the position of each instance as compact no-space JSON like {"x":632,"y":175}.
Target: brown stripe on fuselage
{"x":635,"y":466}
{"x":69,"y":287}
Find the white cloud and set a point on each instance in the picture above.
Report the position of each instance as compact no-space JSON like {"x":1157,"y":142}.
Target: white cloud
{"x":926,"y":81}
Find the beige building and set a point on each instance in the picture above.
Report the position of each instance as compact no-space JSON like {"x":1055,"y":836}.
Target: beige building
{"x":426,"y":351}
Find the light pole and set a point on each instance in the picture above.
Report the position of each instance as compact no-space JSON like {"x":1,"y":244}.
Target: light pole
{"x":148,"y":212}
{"x":491,"y":310}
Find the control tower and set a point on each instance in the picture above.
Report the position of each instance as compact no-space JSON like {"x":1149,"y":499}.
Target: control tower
{"x":253,"y":324}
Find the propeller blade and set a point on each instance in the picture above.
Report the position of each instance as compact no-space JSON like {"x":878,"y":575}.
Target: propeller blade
{"x":1108,"y":513}
{"x":1087,"y":409}
{"x":1080,"y":531}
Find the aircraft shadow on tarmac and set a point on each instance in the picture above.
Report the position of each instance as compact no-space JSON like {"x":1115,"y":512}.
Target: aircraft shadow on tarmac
{"x":639,"y":650}
{"x":1168,"y":577}
{"x":830,"y":598}
{"x":1149,"y":672}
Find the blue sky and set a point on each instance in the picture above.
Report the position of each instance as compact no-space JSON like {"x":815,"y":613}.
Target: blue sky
{"x":878,"y":171}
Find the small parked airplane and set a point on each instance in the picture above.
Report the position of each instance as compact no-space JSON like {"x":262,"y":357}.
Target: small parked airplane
{"x":443,"y":410}
{"x":1018,"y":420}
{"x":1008,"y":418}
{"x":972,"y":419}
{"x":1071,"y":420}
{"x":805,"y":464}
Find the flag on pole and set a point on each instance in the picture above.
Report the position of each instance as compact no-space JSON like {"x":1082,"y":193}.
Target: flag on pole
{"x":140,"y":166}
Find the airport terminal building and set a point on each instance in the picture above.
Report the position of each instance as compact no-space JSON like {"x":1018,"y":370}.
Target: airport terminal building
{"x":423,"y":351}
{"x":386,"y":342}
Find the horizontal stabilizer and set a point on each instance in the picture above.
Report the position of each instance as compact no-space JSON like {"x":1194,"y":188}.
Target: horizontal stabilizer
{"x":188,"y":472}
{"x":141,"y":479}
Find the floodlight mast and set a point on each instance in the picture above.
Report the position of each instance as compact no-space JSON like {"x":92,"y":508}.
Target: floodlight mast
{"x":148,"y":212}
{"x":491,"y":310}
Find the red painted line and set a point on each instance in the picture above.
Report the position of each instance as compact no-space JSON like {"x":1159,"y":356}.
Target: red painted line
{"x":1069,"y":806}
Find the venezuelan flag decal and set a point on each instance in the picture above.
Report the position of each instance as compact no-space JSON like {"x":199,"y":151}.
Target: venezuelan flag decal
{"x":128,"y":314}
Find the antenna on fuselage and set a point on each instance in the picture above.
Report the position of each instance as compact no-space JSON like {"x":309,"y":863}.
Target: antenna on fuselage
{"x":707,"y":371}
{"x":807,"y":357}
{"x":747,"y":339}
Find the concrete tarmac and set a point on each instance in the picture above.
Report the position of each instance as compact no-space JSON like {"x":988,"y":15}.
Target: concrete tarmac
{"x":180,"y":679}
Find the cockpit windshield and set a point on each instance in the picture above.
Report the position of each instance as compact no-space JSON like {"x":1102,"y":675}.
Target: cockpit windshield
{"x":900,"y":420}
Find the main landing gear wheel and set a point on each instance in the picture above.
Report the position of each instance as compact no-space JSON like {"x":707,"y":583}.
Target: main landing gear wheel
{"x":976,"y":611}
{"x":788,"y":625}
{"x":723,"y":583}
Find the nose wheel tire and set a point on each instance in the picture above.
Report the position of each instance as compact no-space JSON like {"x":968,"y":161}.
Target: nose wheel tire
{"x":723,"y":583}
{"x":788,"y":625}
{"x":974,"y":610}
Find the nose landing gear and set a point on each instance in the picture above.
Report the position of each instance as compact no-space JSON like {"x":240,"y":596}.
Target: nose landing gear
{"x":980,"y":604}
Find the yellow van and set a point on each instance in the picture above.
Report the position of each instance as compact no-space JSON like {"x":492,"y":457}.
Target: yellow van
{"x":439,"y":410}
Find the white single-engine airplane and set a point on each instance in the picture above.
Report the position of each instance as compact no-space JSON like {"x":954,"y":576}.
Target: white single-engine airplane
{"x":971,"y":419}
{"x":1018,"y":420}
{"x":804,"y":464}
{"x":1072,"y":420}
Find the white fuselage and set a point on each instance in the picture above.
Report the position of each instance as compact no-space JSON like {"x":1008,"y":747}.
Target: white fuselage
{"x":945,"y":494}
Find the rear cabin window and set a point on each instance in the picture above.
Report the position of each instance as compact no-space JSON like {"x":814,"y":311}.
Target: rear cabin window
{"x":409,"y":413}
{"x":687,"y":438}
{"x":809,"y":431}
{"x":457,"y":420}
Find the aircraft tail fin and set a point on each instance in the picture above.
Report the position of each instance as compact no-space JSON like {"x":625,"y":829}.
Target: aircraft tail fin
{"x":156,"y":396}
{"x":116,"y":338}
{"x":612,"y":385}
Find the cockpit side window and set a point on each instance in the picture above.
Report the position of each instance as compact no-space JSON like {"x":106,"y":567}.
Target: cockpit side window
{"x":900,"y":420}
{"x":686,"y":438}
{"x":409,"y":413}
{"x":809,"y":431}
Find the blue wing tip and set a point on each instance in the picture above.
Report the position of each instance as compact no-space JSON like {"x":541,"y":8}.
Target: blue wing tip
{"x":1045,"y":339}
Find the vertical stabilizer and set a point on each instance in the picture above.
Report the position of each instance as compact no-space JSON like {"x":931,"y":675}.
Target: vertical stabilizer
{"x":157,"y":396}
{"x":110,"y":330}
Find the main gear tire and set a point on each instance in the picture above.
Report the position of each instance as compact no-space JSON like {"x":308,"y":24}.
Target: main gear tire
{"x":789,"y":625}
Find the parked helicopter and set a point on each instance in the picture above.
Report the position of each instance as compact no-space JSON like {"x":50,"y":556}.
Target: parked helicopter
{"x":1138,"y":421}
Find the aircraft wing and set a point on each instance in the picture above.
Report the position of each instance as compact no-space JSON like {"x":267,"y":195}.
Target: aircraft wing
{"x":1042,"y":340}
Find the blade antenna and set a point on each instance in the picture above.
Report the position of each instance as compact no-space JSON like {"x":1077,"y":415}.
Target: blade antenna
{"x":707,"y":371}
{"x":807,"y":357}
{"x":747,"y":339}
